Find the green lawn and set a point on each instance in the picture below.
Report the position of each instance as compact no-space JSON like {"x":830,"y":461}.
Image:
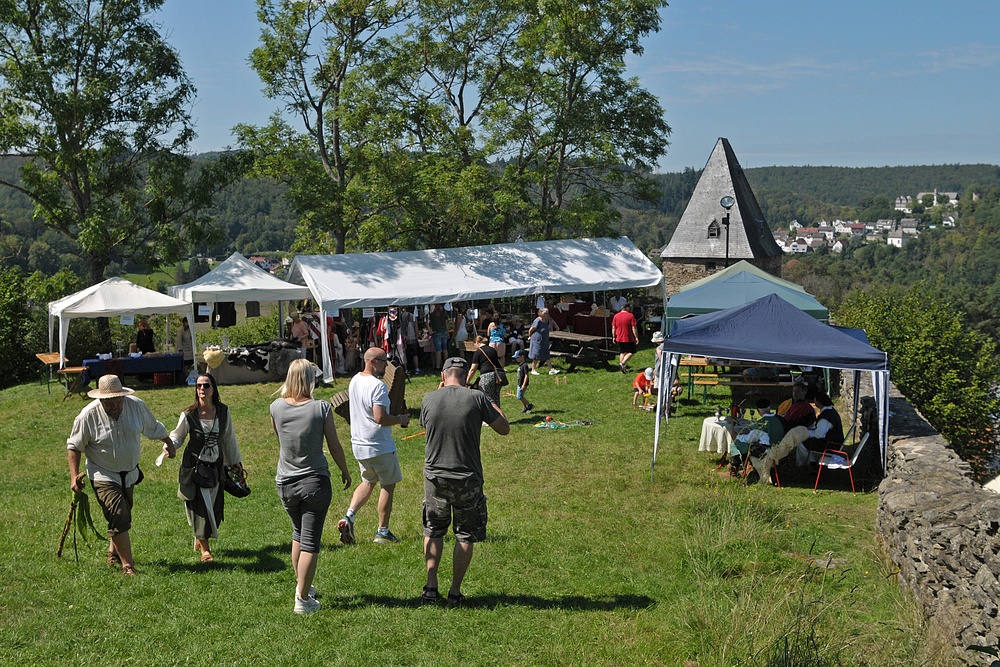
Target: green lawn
{"x":588,"y":561}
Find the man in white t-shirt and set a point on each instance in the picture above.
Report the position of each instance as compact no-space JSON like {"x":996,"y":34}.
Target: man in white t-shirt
{"x":374,"y":448}
{"x":617,"y":303}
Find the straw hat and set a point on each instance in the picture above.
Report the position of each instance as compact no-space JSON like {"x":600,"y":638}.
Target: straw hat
{"x":109,"y":386}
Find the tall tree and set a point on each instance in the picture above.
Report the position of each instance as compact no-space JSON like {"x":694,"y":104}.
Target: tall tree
{"x":309,"y":57}
{"x":577,"y":133}
{"x":480,"y":120}
{"x":538,"y":93}
{"x":440,"y":77}
{"x":96,"y":100}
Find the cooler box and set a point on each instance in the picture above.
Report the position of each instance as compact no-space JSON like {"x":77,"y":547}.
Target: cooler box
{"x":163,"y":379}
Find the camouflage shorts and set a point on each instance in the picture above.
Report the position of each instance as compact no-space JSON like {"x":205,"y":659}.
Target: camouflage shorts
{"x":461,"y":500}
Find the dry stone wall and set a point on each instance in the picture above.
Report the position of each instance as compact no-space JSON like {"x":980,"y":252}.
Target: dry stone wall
{"x":941,"y":529}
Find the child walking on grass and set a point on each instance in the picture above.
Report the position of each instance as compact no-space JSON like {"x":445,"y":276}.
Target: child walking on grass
{"x":522,"y":379}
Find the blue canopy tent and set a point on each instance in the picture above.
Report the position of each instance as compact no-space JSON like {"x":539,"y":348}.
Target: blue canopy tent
{"x":771,"y":330}
{"x":737,"y":289}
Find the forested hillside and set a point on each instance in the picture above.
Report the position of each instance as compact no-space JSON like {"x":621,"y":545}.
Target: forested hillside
{"x":255,"y":216}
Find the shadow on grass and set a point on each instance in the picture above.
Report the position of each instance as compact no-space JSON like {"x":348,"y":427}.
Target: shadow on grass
{"x":564,"y":603}
{"x":831,"y":480}
{"x":273,"y":558}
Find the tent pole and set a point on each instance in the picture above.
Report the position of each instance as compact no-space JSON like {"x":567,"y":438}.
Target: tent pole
{"x":857,"y":389}
{"x":325,"y":345}
{"x":666,"y":380}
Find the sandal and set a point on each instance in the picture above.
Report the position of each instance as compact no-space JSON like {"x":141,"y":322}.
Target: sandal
{"x":206,"y":557}
{"x":114,"y":558}
{"x":128,"y":570}
{"x":430,"y":594}
{"x":455,"y":599}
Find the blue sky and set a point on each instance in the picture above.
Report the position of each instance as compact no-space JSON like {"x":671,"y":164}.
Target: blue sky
{"x":788,"y":82}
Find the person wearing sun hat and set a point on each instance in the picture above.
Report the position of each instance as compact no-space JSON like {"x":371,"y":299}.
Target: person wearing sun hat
{"x":107,"y":431}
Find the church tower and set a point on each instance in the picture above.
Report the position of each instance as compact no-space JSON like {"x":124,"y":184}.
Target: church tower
{"x":702,"y":243}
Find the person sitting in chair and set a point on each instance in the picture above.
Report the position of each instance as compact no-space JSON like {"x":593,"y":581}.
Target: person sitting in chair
{"x":800,"y":412}
{"x":828,"y":432}
{"x":767,"y":431}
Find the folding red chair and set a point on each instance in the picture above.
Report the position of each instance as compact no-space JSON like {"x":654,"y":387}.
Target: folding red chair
{"x":838,"y":459}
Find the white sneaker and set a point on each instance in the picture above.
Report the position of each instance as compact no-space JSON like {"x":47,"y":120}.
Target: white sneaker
{"x":554,"y":371}
{"x":534,"y":372}
{"x":306,"y":606}
{"x":313,"y":592}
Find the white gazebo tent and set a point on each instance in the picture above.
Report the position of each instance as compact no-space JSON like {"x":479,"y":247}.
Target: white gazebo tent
{"x":114,"y":296}
{"x":475,"y":272}
{"x":239,"y":279}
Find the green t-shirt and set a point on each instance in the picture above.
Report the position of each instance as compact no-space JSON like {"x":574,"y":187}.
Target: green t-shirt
{"x":454,"y":417}
{"x":439,"y":323}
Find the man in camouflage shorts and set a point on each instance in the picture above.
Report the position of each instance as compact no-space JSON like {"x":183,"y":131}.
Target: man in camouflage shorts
{"x":453,"y":473}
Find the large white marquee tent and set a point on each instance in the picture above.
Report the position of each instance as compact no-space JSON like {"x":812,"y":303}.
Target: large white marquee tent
{"x":476,"y":272}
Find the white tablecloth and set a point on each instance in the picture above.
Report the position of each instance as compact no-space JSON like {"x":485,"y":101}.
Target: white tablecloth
{"x":718,"y":434}
{"x":715,"y":436}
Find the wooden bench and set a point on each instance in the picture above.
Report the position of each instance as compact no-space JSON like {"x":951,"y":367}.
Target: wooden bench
{"x":603,"y":357}
{"x":757,"y":383}
{"x":703,"y":380}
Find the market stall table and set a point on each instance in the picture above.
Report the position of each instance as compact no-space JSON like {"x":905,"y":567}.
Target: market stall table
{"x":148,"y":364}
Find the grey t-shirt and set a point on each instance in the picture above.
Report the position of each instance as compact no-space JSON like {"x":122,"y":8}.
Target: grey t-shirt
{"x":453,"y":417}
{"x":300,"y":436}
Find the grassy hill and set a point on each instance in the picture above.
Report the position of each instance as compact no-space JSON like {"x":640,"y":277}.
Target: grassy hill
{"x":587,"y":561}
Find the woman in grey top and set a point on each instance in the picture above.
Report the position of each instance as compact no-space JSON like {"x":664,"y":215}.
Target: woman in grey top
{"x":301,"y":423}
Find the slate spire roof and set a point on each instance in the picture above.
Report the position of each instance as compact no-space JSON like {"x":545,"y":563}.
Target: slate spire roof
{"x":749,"y":235}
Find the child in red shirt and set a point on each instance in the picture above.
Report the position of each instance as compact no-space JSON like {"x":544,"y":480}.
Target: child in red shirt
{"x":643,"y":384}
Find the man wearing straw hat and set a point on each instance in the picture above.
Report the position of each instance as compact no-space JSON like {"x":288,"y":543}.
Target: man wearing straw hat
{"x":108,"y":431}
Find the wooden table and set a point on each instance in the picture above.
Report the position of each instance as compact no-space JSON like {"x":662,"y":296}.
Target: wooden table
{"x":693,"y":369}
{"x":581,"y":349}
{"x":49,"y":361}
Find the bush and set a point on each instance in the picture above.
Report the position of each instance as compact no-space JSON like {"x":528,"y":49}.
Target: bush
{"x":947,"y":371}
{"x":253,"y":331}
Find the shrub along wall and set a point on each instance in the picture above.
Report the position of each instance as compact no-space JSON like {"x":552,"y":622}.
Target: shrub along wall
{"x":941,"y":529}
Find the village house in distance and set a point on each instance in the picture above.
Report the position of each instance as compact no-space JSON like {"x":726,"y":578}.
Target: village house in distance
{"x":703,"y":243}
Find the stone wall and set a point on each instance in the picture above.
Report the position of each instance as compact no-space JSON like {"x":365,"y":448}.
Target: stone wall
{"x":681,"y":271}
{"x":677,"y":274}
{"x":940,"y":528}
